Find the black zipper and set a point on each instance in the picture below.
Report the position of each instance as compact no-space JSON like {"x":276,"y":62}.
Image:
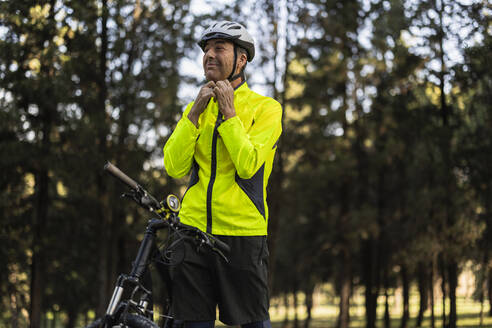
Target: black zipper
{"x":213,"y":172}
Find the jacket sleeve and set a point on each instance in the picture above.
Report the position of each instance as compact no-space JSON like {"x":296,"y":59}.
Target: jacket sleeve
{"x":249,"y":149}
{"x":180,"y":147}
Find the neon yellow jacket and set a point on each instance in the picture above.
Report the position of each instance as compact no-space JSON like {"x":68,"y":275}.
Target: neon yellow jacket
{"x":230,"y":163}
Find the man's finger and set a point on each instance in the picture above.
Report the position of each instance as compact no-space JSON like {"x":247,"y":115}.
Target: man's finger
{"x":210,"y":84}
{"x":207,"y":94}
{"x":224,"y":84}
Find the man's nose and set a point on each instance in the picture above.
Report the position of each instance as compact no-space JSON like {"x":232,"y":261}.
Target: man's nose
{"x":209,"y":54}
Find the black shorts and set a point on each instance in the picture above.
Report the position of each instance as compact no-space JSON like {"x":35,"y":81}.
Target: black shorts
{"x":202,"y":280}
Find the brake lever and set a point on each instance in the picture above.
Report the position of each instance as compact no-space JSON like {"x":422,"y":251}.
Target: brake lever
{"x":127,"y":195}
{"x":210,"y":242}
{"x":218,"y":251}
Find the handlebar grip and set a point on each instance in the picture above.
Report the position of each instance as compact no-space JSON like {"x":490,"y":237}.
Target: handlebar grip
{"x":116,"y":172}
{"x":221,"y":246}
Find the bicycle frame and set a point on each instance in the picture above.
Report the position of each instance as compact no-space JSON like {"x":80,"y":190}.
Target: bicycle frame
{"x":138,"y":269}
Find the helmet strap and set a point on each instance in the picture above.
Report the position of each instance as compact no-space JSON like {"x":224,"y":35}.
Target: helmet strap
{"x":240,"y":74}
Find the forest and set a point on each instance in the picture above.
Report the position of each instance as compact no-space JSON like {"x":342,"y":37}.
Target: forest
{"x":380,"y":181}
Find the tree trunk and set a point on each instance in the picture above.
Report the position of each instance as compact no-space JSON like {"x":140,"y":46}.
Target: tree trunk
{"x":345,"y":290}
{"x":296,"y":306}
{"x":489,"y":291}
{"x":38,"y":257}
{"x":483,"y":286}
{"x":443,"y":289}
{"x":423,"y":286}
{"x":482,"y":301}
{"x":433,"y":270}
{"x":72,"y":318}
{"x":371,"y":282}
{"x":453,"y":285}
{"x":406,"y":296}
{"x":278,"y":171}
{"x":47,"y":106}
{"x":100,"y":122}
{"x":309,"y":305}
{"x":287,"y":307}
{"x":387,"y":317}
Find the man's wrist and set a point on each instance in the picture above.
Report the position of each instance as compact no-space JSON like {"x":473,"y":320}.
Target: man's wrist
{"x":229,"y":115}
{"x":193,"y":118}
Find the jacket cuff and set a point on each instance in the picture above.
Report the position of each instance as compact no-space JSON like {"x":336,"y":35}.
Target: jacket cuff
{"x":186,"y":129}
{"x":190,"y":125}
{"x":228,"y":125}
{"x":233,"y":134}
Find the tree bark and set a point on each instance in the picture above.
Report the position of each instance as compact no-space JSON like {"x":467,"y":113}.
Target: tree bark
{"x":433,"y":270}
{"x":296,"y":307}
{"x":39,"y":223}
{"x":406,"y":296}
{"x":453,"y":285}
{"x":489,"y":291}
{"x":345,"y":290}
{"x":483,"y":282}
{"x":371,"y":282}
{"x":443,"y":289}
{"x":278,"y":171}
{"x":423,"y":286}
{"x":72,"y":317}
{"x":309,"y":305}
{"x":99,"y":117}
{"x":482,"y":300}
{"x":287,"y":307}
{"x":387,"y":317}
{"x":47,"y":107}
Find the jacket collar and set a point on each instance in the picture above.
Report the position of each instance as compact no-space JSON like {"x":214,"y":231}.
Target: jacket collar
{"x":243,"y":87}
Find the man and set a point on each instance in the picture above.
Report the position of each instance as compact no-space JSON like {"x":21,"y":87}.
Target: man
{"x":227,"y":138}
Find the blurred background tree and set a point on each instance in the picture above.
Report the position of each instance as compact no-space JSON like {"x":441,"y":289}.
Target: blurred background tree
{"x":381,"y":178}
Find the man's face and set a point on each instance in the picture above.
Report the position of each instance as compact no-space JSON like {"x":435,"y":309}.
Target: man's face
{"x":218,"y":59}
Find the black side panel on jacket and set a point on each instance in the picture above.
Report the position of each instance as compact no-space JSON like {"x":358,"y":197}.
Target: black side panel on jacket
{"x":253,"y":188}
{"x":193,"y":176}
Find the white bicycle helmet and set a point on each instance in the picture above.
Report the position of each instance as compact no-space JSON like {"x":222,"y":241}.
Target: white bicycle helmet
{"x":232,"y":31}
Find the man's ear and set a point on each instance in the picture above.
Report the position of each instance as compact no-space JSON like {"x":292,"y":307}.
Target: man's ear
{"x":241,"y":60}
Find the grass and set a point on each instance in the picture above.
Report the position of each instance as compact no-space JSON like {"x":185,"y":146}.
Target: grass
{"x":325,"y":312}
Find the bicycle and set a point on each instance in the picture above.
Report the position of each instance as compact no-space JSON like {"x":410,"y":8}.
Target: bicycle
{"x":133,"y":311}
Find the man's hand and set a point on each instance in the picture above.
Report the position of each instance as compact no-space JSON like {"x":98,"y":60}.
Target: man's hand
{"x":224,"y":93}
{"x":206,"y":92}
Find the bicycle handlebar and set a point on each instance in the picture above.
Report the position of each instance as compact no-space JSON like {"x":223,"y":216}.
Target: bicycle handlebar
{"x":151,"y":203}
{"x":145,"y":199}
{"x":116,"y":172}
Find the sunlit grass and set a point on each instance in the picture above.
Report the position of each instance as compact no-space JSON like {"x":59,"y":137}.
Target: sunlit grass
{"x":325,"y":312}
